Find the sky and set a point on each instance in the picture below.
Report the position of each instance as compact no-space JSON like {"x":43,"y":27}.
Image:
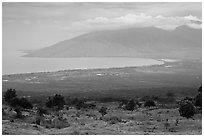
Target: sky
{"x":28,"y":26}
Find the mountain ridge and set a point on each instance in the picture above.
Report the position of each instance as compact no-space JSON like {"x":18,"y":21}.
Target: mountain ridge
{"x":150,"y":42}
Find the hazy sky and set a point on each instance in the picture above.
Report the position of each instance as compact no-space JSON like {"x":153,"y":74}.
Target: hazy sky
{"x":35,"y":25}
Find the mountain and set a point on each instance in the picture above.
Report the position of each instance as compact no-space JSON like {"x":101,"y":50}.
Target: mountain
{"x":148,"y":42}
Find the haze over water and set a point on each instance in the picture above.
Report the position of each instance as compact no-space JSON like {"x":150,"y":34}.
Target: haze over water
{"x":13,"y":63}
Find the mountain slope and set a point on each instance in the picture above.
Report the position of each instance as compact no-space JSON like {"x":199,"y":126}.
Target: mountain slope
{"x":183,"y":42}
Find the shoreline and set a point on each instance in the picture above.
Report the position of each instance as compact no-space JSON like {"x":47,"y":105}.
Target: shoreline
{"x":163,"y":62}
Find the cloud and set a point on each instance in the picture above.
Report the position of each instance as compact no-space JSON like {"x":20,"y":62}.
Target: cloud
{"x":190,"y":17}
{"x":27,"y":22}
{"x":141,"y":20}
{"x":85,"y":17}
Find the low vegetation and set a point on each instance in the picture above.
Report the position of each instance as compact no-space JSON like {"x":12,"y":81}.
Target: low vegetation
{"x":9,"y":95}
{"x":103,"y":111}
{"x":186,"y":109}
{"x":142,"y":113}
{"x":56,"y":102}
{"x":149,"y":103}
{"x":130,"y":105}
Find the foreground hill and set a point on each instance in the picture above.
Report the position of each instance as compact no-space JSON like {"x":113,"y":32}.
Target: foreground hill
{"x":151,"y":42}
{"x":142,"y":121}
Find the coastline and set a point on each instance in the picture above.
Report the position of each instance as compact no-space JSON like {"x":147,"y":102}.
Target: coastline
{"x":160,"y":63}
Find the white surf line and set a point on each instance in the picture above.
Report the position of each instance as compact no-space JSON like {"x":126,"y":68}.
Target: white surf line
{"x":99,"y":74}
{"x":168,"y":66}
{"x":5,"y":80}
{"x":168,"y":60}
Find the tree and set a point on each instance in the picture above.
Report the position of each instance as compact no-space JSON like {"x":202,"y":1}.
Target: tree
{"x":103,"y":111}
{"x":130,"y":105}
{"x":49,"y":102}
{"x":22,"y":102}
{"x":200,"y":89}
{"x":56,"y":101}
{"x":15,"y":102}
{"x":186,"y":109}
{"x":9,"y":95}
{"x":149,"y":103}
{"x":198,"y":98}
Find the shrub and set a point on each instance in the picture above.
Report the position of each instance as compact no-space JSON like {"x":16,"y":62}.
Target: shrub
{"x":149,"y":103}
{"x":200,"y":89}
{"x":113,"y":119}
{"x":198,"y":100}
{"x":90,"y":106}
{"x":186,"y":109}
{"x":3,"y":112}
{"x":18,"y":112}
{"x":122,"y":103}
{"x":9,"y":95}
{"x":38,"y":120}
{"x":23,"y":102}
{"x":103,"y":111}
{"x":188,"y":99}
{"x":41,"y":111}
{"x":72,"y":101}
{"x":80,"y":104}
{"x":56,"y":101}
{"x":14,"y":102}
{"x":49,"y":102}
{"x":130,"y":105}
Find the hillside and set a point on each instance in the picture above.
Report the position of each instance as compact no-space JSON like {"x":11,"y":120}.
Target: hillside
{"x":150,"y":42}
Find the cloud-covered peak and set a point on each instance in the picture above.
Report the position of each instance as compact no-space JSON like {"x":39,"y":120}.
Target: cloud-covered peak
{"x":49,"y":22}
{"x":141,"y":20}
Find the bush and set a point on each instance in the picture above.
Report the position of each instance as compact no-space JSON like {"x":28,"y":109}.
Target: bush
{"x":149,"y":103}
{"x":198,"y":100}
{"x":15,"y":102}
{"x":9,"y":95}
{"x":122,"y":103}
{"x":191,"y":99}
{"x":90,"y":105}
{"x":41,"y":111}
{"x":19,"y":113}
{"x":72,"y":101}
{"x":112,"y":119}
{"x":23,"y":102}
{"x":186,"y":109}
{"x":130,"y":105}
{"x":80,"y":104}
{"x":200,"y":89}
{"x":103,"y":111}
{"x":56,"y":101}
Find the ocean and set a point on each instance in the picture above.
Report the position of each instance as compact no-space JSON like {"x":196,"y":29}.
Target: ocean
{"x":13,"y":63}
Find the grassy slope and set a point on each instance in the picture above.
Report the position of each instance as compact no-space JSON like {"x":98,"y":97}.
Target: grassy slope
{"x":141,"y":121}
